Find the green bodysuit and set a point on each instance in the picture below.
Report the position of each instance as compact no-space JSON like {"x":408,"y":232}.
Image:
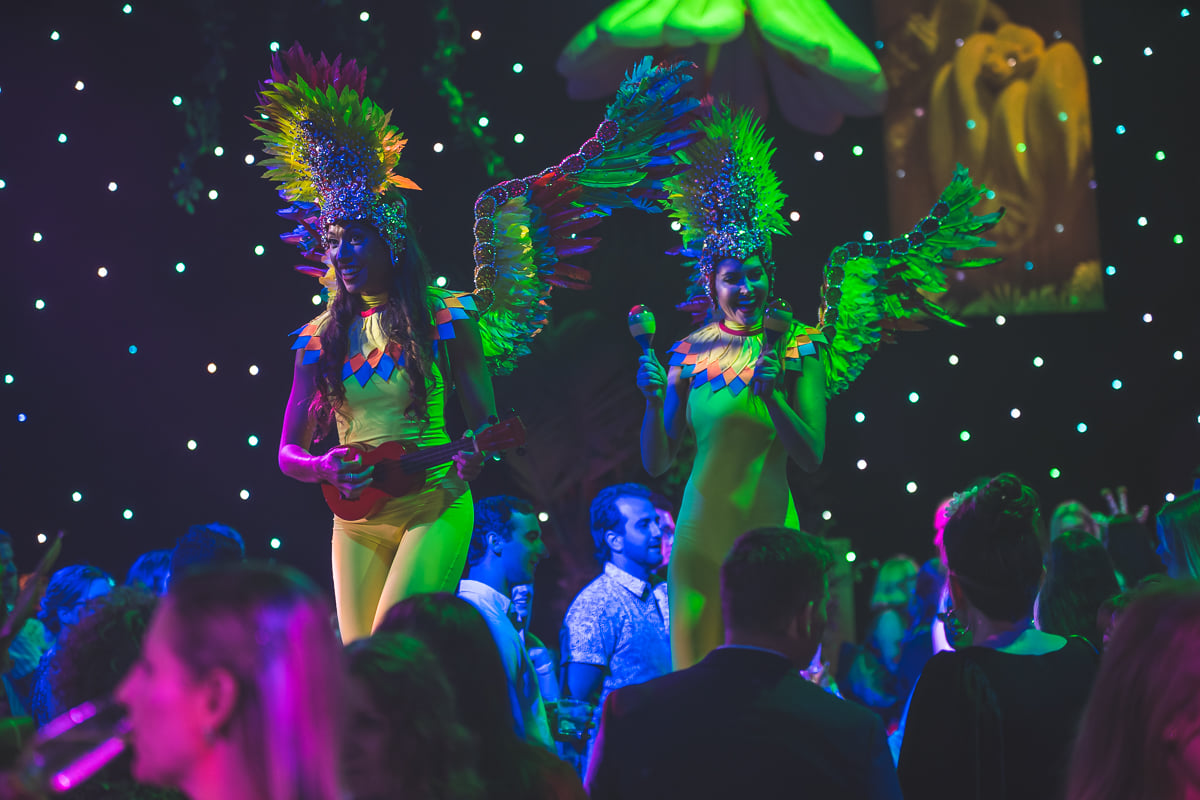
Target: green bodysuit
{"x":739,"y":479}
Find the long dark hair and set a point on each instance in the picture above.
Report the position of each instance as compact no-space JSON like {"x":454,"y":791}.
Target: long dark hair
{"x":434,"y":755}
{"x":463,"y":643}
{"x":405,"y":318}
{"x":1079,"y":580}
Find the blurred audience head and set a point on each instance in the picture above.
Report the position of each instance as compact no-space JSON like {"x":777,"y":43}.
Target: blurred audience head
{"x":203,"y":545}
{"x":1131,"y":547}
{"x":93,"y":655}
{"x":69,"y":590}
{"x":1112,"y":609}
{"x":1072,"y":515}
{"x":459,"y":637}
{"x":895,"y":583}
{"x":993,"y":549}
{"x":507,"y":534}
{"x":625,"y":528}
{"x":923,"y":606}
{"x":666,"y":524}
{"x":150,"y":571}
{"x":1140,"y":735}
{"x":1179,"y":536}
{"x":774,"y":587}
{"x":9,"y":575}
{"x":404,"y":737}
{"x":1079,"y":580}
{"x":240,"y":680}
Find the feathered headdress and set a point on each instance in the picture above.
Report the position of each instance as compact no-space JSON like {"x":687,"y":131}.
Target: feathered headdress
{"x":333,"y":151}
{"x":729,"y":202}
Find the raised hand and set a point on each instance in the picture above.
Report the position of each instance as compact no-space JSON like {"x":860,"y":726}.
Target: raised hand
{"x":1118,"y":505}
{"x":766,"y":374}
{"x":651,"y":377}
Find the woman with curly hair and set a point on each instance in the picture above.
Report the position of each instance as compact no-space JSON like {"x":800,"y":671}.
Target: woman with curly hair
{"x":93,"y":655}
{"x":69,"y":590}
{"x":88,"y":663}
{"x":404,"y":738}
{"x":995,"y":719}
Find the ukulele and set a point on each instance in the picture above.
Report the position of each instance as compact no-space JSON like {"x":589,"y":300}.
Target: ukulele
{"x":400,"y":467}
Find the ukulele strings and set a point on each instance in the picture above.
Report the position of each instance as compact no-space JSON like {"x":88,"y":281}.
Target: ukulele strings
{"x":432,"y":457}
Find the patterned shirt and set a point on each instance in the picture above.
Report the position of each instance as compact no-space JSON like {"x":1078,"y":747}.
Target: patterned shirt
{"x":529,"y":711}
{"x":620,"y":623}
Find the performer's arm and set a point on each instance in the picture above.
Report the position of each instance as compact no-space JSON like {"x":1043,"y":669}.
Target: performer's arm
{"x":295,"y":460}
{"x":471,"y":377}
{"x":474,"y":385}
{"x":798,"y":415}
{"x":662,"y":424}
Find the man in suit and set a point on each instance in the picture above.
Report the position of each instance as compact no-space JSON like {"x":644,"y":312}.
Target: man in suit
{"x":743,"y":722}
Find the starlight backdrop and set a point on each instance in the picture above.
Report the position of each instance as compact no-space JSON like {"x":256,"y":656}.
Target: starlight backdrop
{"x":146,"y":362}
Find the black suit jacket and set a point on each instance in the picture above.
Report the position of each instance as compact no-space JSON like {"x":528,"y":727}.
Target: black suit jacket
{"x":740,"y":724}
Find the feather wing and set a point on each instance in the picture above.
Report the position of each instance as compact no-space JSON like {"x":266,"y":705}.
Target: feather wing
{"x":873,"y":290}
{"x":528,"y":231}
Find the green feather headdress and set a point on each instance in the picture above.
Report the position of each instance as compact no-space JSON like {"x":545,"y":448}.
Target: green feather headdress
{"x":729,"y":201}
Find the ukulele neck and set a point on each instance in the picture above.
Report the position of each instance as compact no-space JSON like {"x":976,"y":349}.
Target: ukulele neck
{"x":429,"y":457}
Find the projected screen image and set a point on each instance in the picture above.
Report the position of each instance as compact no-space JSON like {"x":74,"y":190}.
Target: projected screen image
{"x":1001,"y":88}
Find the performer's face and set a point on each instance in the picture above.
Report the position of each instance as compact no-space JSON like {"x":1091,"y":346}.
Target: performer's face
{"x":740,"y":289}
{"x":360,"y":256}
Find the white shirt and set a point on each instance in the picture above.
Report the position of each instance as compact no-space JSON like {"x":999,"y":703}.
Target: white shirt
{"x":529,"y":710}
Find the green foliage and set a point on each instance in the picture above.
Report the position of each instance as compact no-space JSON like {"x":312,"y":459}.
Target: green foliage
{"x":461,"y":108}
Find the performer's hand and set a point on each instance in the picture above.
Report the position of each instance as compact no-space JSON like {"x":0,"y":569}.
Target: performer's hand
{"x":469,"y":465}
{"x":348,"y":476}
{"x":651,"y":377}
{"x":766,"y":374}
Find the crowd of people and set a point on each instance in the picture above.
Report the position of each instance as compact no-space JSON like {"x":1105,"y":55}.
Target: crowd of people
{"x":1059,"y":674}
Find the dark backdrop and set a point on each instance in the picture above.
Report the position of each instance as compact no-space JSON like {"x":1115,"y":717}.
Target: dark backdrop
{"x":81,"y":413}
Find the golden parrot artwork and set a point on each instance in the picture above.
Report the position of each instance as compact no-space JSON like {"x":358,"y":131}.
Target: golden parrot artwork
{"x":975,"y":83}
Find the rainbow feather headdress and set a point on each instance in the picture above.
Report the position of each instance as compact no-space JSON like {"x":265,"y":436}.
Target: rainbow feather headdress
{"x":333,"y":151}
{"x":729,"y":202}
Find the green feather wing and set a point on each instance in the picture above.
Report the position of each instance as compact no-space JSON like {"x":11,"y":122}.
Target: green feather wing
{"x":871,"y":291}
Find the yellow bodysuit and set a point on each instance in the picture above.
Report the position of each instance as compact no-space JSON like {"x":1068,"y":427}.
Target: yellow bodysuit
{"x":739,"y":479}
{"x":413,"y":544}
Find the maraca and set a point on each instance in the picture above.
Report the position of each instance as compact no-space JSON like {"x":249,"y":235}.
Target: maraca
{"x":641,"y":327}
{"x":777,"y":320}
